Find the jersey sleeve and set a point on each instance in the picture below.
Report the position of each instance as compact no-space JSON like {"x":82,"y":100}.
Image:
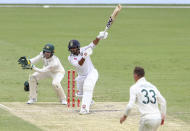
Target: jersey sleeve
{"x":91,"y":45}
{"x":132,"y":101}
{"x":36,"y":59}
{"x":50,"y":67}
{"x":73,"y":62}
{"x":162,"y":102}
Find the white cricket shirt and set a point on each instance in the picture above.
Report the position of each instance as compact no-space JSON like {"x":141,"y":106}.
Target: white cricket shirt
{"x":52,"y":64}
{"x":147,"y":97}
{"x":87,"y":65}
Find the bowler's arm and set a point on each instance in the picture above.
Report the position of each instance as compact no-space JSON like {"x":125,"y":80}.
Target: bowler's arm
{"x":129,"y":106}
{"x":162,"y":102}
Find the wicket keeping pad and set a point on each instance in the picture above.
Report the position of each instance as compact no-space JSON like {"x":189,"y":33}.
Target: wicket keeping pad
{"x":26,"y":86}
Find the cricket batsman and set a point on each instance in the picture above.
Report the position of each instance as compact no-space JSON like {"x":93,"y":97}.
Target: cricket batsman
{"x":147,"y":97}
{"x":87,"y":73}
{"x":52,"y":68}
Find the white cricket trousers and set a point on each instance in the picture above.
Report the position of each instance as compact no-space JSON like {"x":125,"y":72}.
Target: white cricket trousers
{"x":150,"y":124}
{"x":56,"y":83}
{"x":85,"y":86}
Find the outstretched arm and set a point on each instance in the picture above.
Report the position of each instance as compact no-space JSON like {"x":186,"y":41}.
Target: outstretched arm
{"x":129,"y":106}
{"x":50,"y":67}
{"x":87,"y":52}
{"x":102,"y":35}
{"x":96,"y":41}
{"x":162,"y":102}
{"x":37,"y":58}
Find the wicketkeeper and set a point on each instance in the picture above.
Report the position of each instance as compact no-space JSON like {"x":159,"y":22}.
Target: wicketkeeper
{"x":52,"y":68}
{"x":87,"y":74}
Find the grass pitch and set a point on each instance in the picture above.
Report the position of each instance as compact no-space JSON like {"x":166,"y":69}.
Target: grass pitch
{"x":104,"y":116}
{"x":10,"y":122}
{"x":157,"y":39}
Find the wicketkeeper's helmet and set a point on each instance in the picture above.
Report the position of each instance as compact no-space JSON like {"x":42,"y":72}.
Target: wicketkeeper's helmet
{"x":48,"y":48}
{"x":73,"y":44}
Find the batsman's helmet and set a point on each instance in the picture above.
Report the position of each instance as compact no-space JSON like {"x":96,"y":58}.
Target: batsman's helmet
{"x":73,"y":44}
{"x":48,"y":48}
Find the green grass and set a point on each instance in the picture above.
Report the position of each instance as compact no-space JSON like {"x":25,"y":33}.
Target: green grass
{"x":10,"y":122}
{"x":156,"y":39}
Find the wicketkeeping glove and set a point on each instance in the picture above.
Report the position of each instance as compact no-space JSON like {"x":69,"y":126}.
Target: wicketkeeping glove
{"x":102,"y":35}
{"x":30,"y":66}
{"x":25,"y":63}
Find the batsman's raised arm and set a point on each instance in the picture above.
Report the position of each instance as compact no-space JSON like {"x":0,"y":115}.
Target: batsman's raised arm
{"x":84,"y":52}
{"x":102,"y":35}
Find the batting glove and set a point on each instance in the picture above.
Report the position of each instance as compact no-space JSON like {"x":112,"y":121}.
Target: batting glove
{"x":102,"y":35}
{"x":87,"y":53}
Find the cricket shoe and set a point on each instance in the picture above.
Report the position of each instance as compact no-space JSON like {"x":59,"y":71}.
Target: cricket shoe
{"x":78,"y":95}
{"x":92,"y":102}
{"x":31,"y":101}
{"x":83,"y":112}
{"x":64,"y":102}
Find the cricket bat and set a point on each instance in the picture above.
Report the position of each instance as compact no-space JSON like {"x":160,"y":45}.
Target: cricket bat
{"x":113,"y":17}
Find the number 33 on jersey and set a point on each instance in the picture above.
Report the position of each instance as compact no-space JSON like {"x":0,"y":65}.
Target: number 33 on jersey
{"x":146,"y":96}
{"x":149,"y":95}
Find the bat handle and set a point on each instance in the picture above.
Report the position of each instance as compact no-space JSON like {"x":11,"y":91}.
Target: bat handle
{"x":106,"y":29}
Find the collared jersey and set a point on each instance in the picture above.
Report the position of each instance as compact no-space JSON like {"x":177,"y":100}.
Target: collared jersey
{"x":87,"y":66}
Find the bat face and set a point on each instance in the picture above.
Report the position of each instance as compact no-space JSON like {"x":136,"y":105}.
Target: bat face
{"x":116,"y":11}
{"x":113,"y":16}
